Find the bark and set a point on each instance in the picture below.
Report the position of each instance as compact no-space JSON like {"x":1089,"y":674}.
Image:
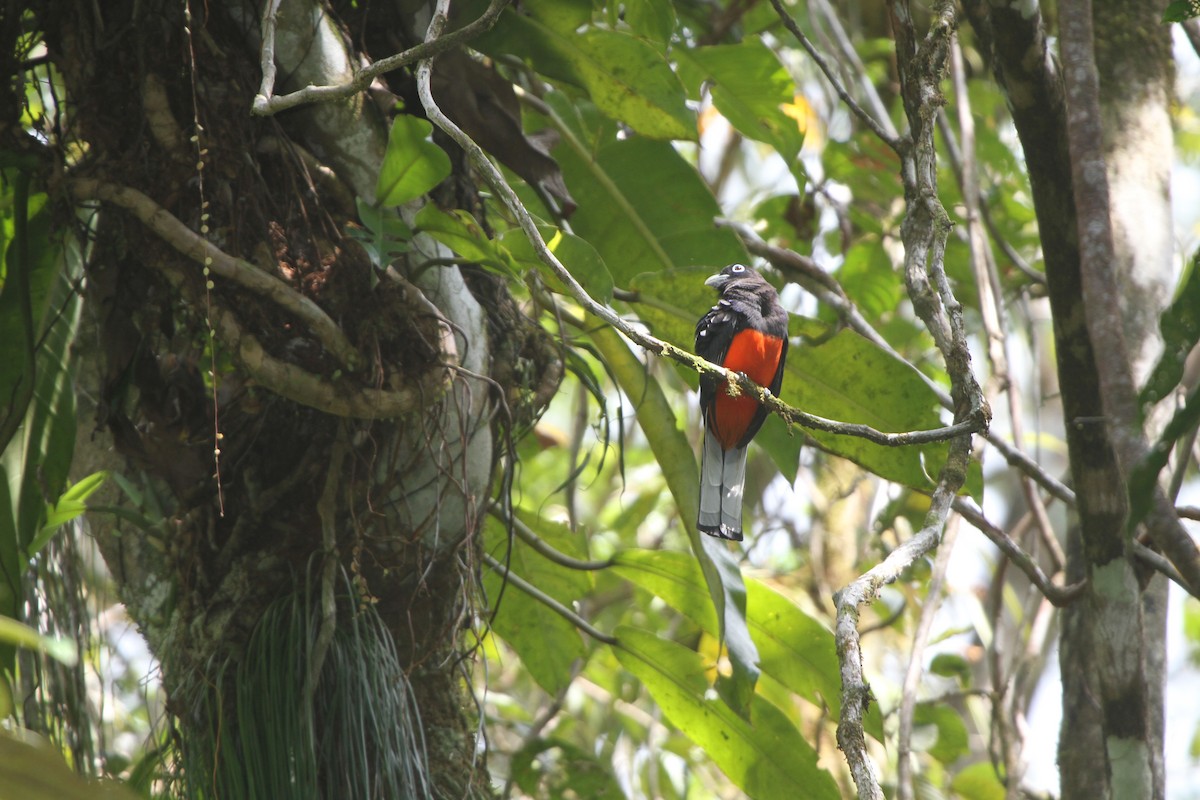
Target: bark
{"x":1133,"y":55}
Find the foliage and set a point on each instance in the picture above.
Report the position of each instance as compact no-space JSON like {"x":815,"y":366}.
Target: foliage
{"x":621,"y":653}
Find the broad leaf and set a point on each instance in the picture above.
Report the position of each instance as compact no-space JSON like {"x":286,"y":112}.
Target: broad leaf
{"x":412,"y":165}
{"x":628,"y":78}
{"x":576,"y":254}
{"x":751,"y":89}
{"x":951,"y":741}
{"x":674,"y":454}
{"x":21,"y":635}
{"x":548,"y":645}
{"x":644,"y":207}
{"x":765,"y":756}
{"x":459,"y":231}
{"x":794,"y":649}
{"x":978,"y":782}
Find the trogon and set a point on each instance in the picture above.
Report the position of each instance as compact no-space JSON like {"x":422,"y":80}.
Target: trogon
{"x":747,"y":332}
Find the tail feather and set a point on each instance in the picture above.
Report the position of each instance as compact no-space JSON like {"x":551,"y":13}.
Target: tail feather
{"x":722,"y":481}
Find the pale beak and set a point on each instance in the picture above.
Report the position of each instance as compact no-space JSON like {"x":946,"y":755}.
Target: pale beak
{"x":717,"y":281}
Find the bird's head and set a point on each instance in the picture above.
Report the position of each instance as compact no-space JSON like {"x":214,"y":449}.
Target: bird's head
{"x":734,"y":273}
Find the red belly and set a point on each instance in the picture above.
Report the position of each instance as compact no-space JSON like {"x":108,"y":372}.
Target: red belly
{"x":758,"y":357}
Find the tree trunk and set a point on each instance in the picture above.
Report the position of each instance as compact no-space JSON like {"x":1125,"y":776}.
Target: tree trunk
{"x":1133,"y":99}
{"x":320,"y":523}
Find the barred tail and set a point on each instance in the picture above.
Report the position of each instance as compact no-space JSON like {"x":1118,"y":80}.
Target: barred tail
{"x":722,"y":481}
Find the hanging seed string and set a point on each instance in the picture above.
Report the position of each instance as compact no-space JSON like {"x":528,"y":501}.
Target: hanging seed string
{"x":201,"y":152}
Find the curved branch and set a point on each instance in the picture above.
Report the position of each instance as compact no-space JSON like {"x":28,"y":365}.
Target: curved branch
{"x":332,"y":397}
{"x":196,"y":247}
{"x":974,"y":424}
{"x":287,"y":380}
{"x":1058,"y":595}
{"x":526,"y":534}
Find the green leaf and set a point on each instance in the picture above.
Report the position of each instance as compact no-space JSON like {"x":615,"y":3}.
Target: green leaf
{"x":34,"y":769}
{"x":36,"y":461}
{"x":576,"y":254}
{"x":651,"y":19}
{"x":628,"y":78}
{"x":412,"y":165}
{"x":849,"y":379}
{"x":44,"y":253}
{"x":1180,"y":326}
{"x":556,"y":768}
{"x":951,"y":665}
{"x":548,"y":645}
{"x":751,"y":89}
{"x":643,"y":207}
{"x":386,"y":236}
{"x":459,"y":231}
{"x":766,"y":756}
{"x":674,"y":455}
{"x":21,"y":635}
{"x":794,"y":649}
{"x":69,"y":505}
{"x":978,"y":782}
{"x":1181,"y":10}
{"x":951,"y":742}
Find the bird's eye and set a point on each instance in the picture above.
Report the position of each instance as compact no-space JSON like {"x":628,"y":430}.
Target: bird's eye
{"x":736,"y":268}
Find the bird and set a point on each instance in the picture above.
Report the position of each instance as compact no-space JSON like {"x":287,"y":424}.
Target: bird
{"x":746,"y":332}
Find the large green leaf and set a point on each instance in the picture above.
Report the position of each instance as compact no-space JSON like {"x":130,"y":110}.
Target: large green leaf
{"x":459,"y":231}
{"x":766,"y":756}
{"x":626,"y":77}
{"x":951,"y":740}
{"x":674,"y":454}
{"x":794,"y":649}
{"x":643,"y":207}
{"x":978,"y":782}
{"x":21,"y":635}
{"x":412,"y":165}
{"x":34,"y":464}
{"x":34,"y":769}
{"x":547,"y":644}
{"x":750,"y":88}
{"x":576,"y":254}
{"x":848,"y":378}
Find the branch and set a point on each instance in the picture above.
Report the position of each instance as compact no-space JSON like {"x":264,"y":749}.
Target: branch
{"x":916,"y":663}
{"x":548,"y":601}
{"x":526,"y":534}
{"x":1058,"y":595}
{"x":856,"y":694}
{"x":924,"y":232}
{"x":288,"y":380}
{"x":191,"y":244}
{"x":825,"y":287}
{"x":265,"y":103}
